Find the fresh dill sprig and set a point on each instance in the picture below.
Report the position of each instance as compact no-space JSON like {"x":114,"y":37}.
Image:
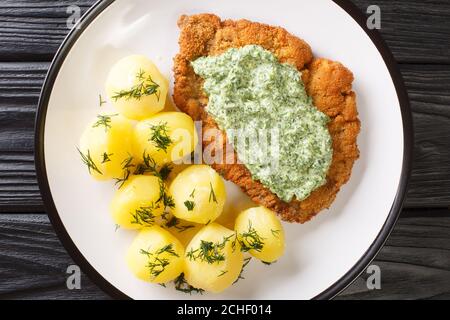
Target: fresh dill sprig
{"x":275,"y":233}
{"x":176,"y":223}
{"x":222,"y":273}
{"x":164,"y":216}
{"x":183,"y":286}
{"x":169,"y":249}
{"x":212,"y":194}
{"x":246,"y":262}
{"x":160,"y":136}
{"x":100,"y":100}
{"x":104,"y":121}
{"x":149,"y":165}
{"x":145,"y":87}
{"x":127,"y":164}
{"x":251,"y":240}
{"x":164,"y":197}
{"x":144,"y":216}
{"x":165,"y":171}
{"x":268,"y":263}
{"x":156,"y":263}
{"x":87,"y":160}
{"x":190,"y":205}
{"x":192,"y":195}
{"x":210,"y":252}
{"x":107,"y":157}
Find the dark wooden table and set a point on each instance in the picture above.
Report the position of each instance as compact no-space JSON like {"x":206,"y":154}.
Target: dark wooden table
{"x":415,"y":263}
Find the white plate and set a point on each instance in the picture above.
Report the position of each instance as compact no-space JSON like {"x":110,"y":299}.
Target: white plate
{"x":322,"y":256}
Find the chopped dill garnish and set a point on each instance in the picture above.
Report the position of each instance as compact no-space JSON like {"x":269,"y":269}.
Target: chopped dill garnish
{"x":209,"y":221}
{"x":162,"y":285}
{"x":127,"y":164}
{"x":166,"y":199}
{"x":165,"y":171}
{"x":164,"y":216}
{"x":176,"y":223}
{"x":210,"y":252}
{"x":107,"y":157}
{"x":169,"y":249}
{"x":190,"y":205}
{"x":100,"y":100}
{"x":222,"y":273}
{"x":192,"y":194}
{"x":160,"y":136}
{"x":87,"y":160}
{"x":104,"y":121}
{"x":212,"y":194}
{"x":149,"y":165}
{"x":275,"y":233}
{"x":268,"y":263}
{"x":156,"y":263}
{"x":183,"y":286}
{"x":251,"y":240}
{"x":246,"y":262}
{"x":144,"y":216}
{"x":145,"y":87}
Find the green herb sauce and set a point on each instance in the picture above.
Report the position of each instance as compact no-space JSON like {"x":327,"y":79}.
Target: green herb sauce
{"x":251,"y":91}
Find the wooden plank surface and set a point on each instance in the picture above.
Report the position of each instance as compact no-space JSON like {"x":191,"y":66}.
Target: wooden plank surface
{"x":414,"y":264}
{"x":20,"y":85}
{"x":416,"y":31}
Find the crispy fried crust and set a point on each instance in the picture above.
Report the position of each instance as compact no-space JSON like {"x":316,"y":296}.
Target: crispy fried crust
{"x":328,"y":83}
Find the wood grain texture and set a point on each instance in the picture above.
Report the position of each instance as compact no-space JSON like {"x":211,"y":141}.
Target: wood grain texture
{"x":416,"y":31}
{"x":20,"y":85}
{"x":19,"y":92}
{"x":414,"y":264}
{"x":33,"y":263}
{"x":34,"y":30}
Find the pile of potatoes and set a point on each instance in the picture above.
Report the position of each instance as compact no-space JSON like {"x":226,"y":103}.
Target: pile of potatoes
{"x":173,"y":206}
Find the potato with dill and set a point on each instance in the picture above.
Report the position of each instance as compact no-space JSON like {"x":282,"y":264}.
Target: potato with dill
{"x":140,"y":202}
{"x":155,"y":256}
{"x":105,"y":147}
{"x":199,"y":194}
{"x":213,"y":259}
{"x":136,"y":87}
{"x":166,"y":137}
{"x":261,"y":234}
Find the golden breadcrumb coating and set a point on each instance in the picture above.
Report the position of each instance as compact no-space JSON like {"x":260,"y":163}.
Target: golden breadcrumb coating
{"x":329,"y":83}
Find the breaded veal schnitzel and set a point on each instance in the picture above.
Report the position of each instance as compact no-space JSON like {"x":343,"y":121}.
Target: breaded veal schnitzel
{"x":329,"y":84}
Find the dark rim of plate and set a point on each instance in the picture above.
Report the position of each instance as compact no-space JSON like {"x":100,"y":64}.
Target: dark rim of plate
{"x":329,"y":293}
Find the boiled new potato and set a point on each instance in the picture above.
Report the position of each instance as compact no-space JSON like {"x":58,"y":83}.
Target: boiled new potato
{"x":155,"y":256}
{"x":261,"y":234}
{"x":166,"y":137}
{"x":199,"y":194}
{"x":213,"y":259}
{"x":136,"y":87}
{"x":105,"y":147}
{"x":138,"y":202}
